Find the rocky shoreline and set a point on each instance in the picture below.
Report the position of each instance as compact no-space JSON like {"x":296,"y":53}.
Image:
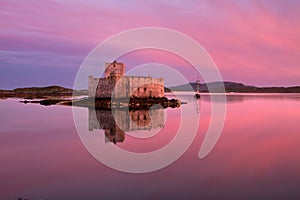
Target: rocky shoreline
{"x":56,"y":95}
{"x":132,"y":103}
{"x":108,"y":103}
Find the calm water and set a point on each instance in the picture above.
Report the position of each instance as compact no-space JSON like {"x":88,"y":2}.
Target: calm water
{"x":256,"y":156}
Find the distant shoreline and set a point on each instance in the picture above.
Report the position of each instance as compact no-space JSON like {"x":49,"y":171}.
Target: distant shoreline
{"x":41,"y":92}
{"x":214,"y":87}
{"x":233,"y":87}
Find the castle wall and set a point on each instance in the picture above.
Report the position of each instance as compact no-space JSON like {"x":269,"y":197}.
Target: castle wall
{"x":126,"y":86}
{"x":145,"y":87}
{"x":93,"y":82}
{"x":105,"y":87}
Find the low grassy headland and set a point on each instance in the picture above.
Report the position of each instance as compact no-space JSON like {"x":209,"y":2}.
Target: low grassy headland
{"x":41,"y":92}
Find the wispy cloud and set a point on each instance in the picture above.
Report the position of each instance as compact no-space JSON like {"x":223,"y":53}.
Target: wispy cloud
{"x":247,"y":39}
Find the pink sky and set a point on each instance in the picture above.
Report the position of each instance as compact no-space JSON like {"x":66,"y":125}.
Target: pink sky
{"x":254,"y":42}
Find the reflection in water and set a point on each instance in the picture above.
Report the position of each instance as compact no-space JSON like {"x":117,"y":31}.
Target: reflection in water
{"x":255,"y":158}
{"x":240,"y":97}
{"x":118,"y":121}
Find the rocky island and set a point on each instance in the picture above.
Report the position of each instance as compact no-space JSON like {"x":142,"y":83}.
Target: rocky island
{"x":113,"y":90}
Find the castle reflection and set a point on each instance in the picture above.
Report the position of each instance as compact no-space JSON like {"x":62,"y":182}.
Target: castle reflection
{"x":118,"y":121}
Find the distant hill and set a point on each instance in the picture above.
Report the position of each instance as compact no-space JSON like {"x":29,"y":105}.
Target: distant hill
{"x":167,"y":89}
{"x":234,"y":87}
{"x":48,"y":89}
{"x":41,"y":92}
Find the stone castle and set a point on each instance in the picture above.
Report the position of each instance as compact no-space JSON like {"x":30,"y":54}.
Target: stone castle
{"x":116,"y":85}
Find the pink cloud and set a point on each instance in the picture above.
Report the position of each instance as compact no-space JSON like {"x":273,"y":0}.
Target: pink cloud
{"x":246,"y":39}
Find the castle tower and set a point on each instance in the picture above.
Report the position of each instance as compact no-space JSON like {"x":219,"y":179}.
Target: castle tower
{"x":114,"y":69}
